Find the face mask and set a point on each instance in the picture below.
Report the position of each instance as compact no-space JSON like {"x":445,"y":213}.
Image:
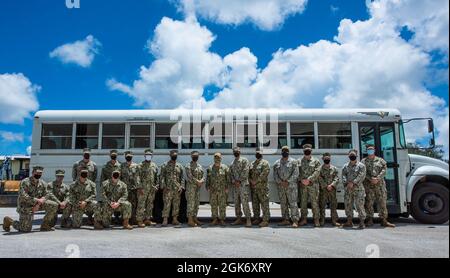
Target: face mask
{"x":37,"y":176}
{"x":128,"y":158}
{"x":285,"y":155}
{"x":370,"y":152}
{"x":86,"y":156}
{"x":352,"y":157}
{"x":236,"y":154}
{"x":195,"y":158}
{"x":217,"y":160}
{"x":307,"y":152}
{"x":116,"y":175}
{"x":174,"y":157}
{"x":84,"y":175}
{"x":148,"y":158}
{"x":113,"y":157}
{"x":258,"y":156}
{"x":327,"y":161}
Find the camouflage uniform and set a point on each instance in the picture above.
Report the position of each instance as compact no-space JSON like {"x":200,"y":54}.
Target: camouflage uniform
{"x":149,"y":173}
{"x":113,"y":193}
{"x":91,"y":166}
{"x":194,"y":173}
{"x":287,"y":171}
{"x":60,"y":194}
{"x":129,"y":174}
{"x":217,"y":183}
{"x":259,"y":171}
{"x":239,"y":172}
{"x":80,"y":192}
{"x":309,"y":169}
{"x":328,"y":176}
{"x":30,"y":190}
{"x":375,"y":193}
{"x":107,"y":170}
{"x":172,"y":182}
{"x":356,"y":196}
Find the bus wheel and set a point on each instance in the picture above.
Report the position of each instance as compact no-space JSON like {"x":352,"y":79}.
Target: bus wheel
{"x":429,"y":204}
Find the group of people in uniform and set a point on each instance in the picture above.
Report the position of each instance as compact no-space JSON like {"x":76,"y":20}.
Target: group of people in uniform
{"x":128,"y":191}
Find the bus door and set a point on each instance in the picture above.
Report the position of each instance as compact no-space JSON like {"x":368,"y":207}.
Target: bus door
{"x":382,"y":135}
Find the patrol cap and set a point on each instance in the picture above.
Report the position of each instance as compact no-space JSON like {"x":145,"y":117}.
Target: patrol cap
{"x":60,"y":172}
{"x":173,"y":152}
{"x":285,"y":149}
{"x":307,"y":147}
{"x":84,"y":170}
{"x":113,"y":152}
{"x":370,"y":146}
{"x":148,"y":151}
{"x":236,"y":149}
{"x":193,"y":153}
{"x":86,"y":150}
{"x":38,"y":169}
{"x":218,"y":155}
{"x":355,"y":152}
{"x":128,"y":153}
{"x":116,"y":171}
{"x":326,"y":155}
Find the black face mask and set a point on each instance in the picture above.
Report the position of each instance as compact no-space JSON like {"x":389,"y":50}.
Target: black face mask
{"x":84,"y":175}
{"x":116,"y":175}
{"x":128,"y":158}
{"x":113,"y":157}
{"x":174,"y":157}
{"x":258,"y":156}
{"x":326,"y":161}
{"x":236,"y":154}
{"x":37,"y":176}
{"x":285,"y":154}
{"x":307,"y":152}
{"x":352,"y":157}
{"x":195,"y":158}
{"x":86,"y":156}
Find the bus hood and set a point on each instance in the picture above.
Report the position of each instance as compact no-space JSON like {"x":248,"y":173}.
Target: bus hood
{"x":418,"y":161}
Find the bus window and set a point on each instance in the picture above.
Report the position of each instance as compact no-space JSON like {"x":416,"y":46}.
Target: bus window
{"x":301,"y":134}
{"x":221,"y":135}
{"x":140,"y":136}
{"x":367,"y":135}
{"x":113,"y":136}
{"x":163,"y":139}
{"x":87,"y":136}
{"x":191,"y":136}
{"x":335,"y":136}
{"x":56,"y":136}
{"x":403,"y":144}
{"x":280,"y":135}
{"x":247,"y":135}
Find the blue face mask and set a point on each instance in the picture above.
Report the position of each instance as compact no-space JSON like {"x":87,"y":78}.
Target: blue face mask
{"x":370,"y":152}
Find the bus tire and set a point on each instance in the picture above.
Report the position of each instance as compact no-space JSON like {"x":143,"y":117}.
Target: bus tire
{"x":429,"y":204}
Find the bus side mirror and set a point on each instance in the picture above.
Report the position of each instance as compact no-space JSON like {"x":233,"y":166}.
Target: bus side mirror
{"x":430,"y":126}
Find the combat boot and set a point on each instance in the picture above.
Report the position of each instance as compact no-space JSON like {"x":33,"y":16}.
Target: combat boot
{"x":140,"y":224}
{"x":46,"y":227}
{"x":175,"y":221}
{"x":264,"y":224}
{"x":335,"y":223}
{"x":369,"y":222}
{"x":126,"y":224}
{"x":7,"y":222}
{"x":191,"y":222}
{"x":237,"y":222}
{"x":165,"y":221}
{"x":65,"y":223}
{"x":90,"y":221}
{"x":361,"y":225}
{"x":257,"y":221}
{"x":295,"y":224}
{"x":285,"y":222}
{"x":303,"y":222}
{"x":214,"y":222}
{"x":197,"y":221}
{"x":317,"y":223}
{"x":98,"y":225}
{"x":222,"y":223}
{"x":148,"y":222}
{"x":349,"y":223}
{"x":387,"y":224}
{"x":248,"y":223}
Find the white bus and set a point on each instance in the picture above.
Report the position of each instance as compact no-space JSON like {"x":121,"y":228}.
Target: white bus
{"x":416,"y":185}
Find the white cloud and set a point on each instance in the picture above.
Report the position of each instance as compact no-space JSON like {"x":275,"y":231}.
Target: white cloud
{"x":81,"y":52}
{"x":8,"y":136}
{"x":18,"y":98}
{"x":265,"y":14}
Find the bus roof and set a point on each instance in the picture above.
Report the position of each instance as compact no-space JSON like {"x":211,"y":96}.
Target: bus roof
{"x":299,"y":114}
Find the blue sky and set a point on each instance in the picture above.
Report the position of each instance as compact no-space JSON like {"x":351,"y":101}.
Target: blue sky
{"x":31,"y":30}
